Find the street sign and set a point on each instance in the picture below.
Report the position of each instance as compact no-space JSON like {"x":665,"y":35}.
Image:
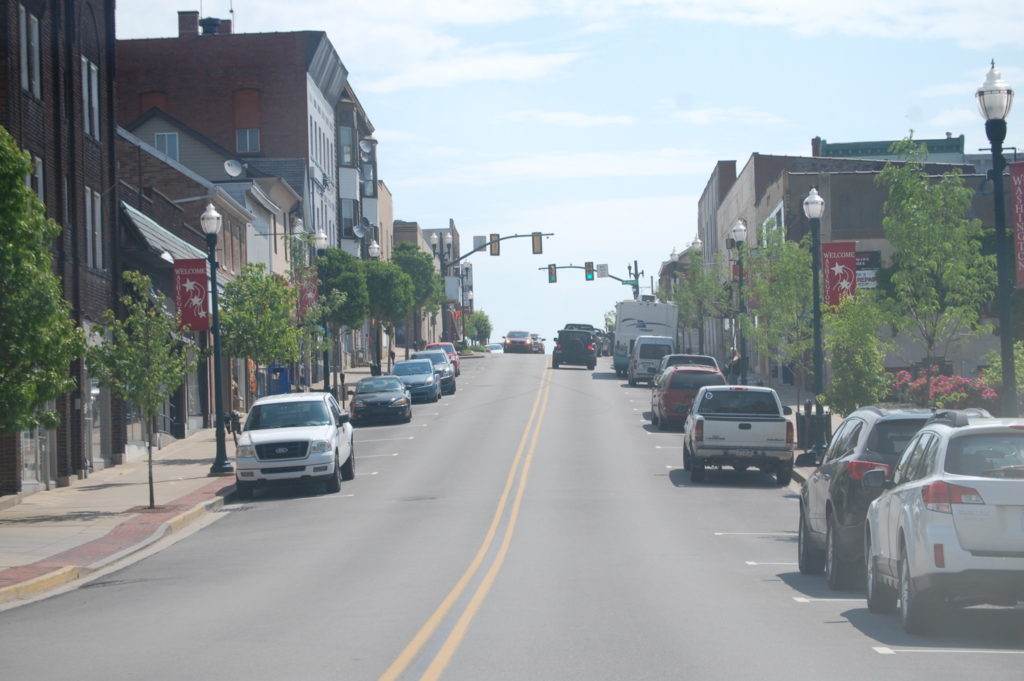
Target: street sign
{"x":629,"y":282}
{"x":602,"y":269}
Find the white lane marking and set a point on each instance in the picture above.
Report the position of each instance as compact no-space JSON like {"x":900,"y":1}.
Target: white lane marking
{"x":885,"y":650}
{"x":665,"y":447}
{"x":376,"y":456}
{"x":386,"y":439}
{"x":361,"y":475}
{"x":755,"y":534}
{"x":751,"y":562}
{"x":804,"y":599}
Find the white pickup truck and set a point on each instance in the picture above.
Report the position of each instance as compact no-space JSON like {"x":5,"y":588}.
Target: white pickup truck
{"x":739,"y":426}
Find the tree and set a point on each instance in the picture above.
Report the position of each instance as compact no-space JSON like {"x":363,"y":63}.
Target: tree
{"x":700,"y":296}
{"x":993,"y":371}
{"x":342,"y":273}
{"x":858,"y":355}
{"x":428,"y":288}
{"x":141,"y":357}
{"x":478,"y":326}
{"x":781,"y":297}
{"x":38,"y":338}
{"x":256,"y":318}
{"x":940,"y":279}
{"x":391,"y":295}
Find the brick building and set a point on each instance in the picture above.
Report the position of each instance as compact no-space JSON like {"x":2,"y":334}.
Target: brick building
{"x":57,"y":101}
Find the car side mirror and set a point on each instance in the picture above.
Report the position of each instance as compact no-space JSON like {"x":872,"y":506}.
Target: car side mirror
{"x":343,"y":418}
{"x":351,"y":392}
{"x":787,"y":411}
{"x":806,"y":460}
{"x":874,"y":479}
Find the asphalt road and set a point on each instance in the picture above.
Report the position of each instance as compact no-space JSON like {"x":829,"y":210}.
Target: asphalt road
{"x":531,"y":526}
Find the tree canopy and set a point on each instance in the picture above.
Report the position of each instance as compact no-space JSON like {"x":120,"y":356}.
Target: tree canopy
{"x":256,"y":317}
{"x":419,"y":265}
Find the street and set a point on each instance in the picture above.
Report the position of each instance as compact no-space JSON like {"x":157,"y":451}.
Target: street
{"x":532,"y":526}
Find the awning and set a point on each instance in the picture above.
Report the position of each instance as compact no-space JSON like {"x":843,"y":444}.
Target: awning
{"x":159,"y":240}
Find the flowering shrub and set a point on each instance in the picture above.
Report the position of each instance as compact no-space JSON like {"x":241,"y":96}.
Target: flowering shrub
{"x":932,"y":389}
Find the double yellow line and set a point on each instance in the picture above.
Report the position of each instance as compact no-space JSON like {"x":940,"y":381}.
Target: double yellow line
{"x":520,"y":469}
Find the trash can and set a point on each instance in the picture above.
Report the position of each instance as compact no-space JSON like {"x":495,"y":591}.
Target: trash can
{"x":280,"y":380}
{"x":805,"y":425}
{"x":374,"y":369}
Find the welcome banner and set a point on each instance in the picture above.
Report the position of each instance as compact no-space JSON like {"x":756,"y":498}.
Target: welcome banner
{"x":1017,"y":209}
{"x":839,"y":264}
{"x":191,"y":293}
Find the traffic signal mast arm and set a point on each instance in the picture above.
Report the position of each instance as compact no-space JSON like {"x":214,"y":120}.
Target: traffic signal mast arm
{"x":487,"y":245}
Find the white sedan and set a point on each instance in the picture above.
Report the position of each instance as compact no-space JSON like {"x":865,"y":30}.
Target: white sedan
{"x":948,"y":527}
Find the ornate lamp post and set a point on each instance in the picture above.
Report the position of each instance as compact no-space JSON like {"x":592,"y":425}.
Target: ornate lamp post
{"x":211,"y":221}
{"x":995,"y":98}
{"x":814,"y":208}
{"x":373,"y":250}
{"x":321,"y":249}
{"x":739,"y":236}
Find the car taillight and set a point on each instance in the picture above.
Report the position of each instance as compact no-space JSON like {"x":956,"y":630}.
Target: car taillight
{"x":698,"y":431}
{"x":940,"y":496}
{"x":857,"y":469}
{"x":558,"y":346}
{"x":789,"y":432}
{"x":590,"y":347}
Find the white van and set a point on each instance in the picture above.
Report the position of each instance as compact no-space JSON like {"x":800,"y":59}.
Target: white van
{"x":646,"y":357}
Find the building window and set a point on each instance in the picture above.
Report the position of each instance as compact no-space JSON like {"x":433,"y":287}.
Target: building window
{"x":93,"y":228}
{"x":28,"y":34}
{"x":345,"y":156}
{"x":167,"y":142}
{"x":90,"y":98}
{"x":247,"y":140}
{"x":348,"y":217}
{"x":34,"y":179}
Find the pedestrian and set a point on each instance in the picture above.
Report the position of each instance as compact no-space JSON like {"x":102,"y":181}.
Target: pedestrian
{"x":734,"y":365}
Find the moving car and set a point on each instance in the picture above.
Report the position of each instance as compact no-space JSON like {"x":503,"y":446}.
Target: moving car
{"x":948,"y":527}
{"x":380,"y":398}
{"x":442,"y":367}
{"x":574,"y":346}
{"x":833,"y":502}
{"x":537,"y":343}
{"x":646,"y":356}
{"x":674,"y":389}
{"x":518,"y":341}
{"x":419,"y":377}
{"x":294,"y":437}
{"x":449,"y":349}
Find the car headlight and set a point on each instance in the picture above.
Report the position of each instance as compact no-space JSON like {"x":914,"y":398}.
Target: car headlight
{"x":429,"y":381}
{"x":245,"y":452}
{"x":355,"y":405}
{"x":319,"y":446}
{"x":400,"y":401}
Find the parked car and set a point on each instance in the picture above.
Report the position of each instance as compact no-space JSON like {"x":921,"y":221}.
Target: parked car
{"x":699,"y":360}
{"x":646,"y":356}
{"x":442,"y":366}
{"x":833,"y":502}
{"x":420,"y":378}
{"x":453,"y":354}
{"x":574,"y":346}
{"x":537,"y":343}
{"x":673,"y":391}
{"x":518,"y":341}
{"x":948,"y":527}
{"x":294,"y":437}
{"x":380,"y":398}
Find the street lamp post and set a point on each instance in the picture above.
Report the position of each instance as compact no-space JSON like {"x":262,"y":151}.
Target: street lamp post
{"x":373,"y":250}
{"x":814,"y":208}
{"x":321,"y":250}
{"x":698,"y":247}
{"x":995,"y":98}
{"x":739,"y":235}
{"x":211,"y":221}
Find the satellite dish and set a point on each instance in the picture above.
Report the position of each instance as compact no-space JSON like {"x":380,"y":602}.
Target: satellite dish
{"x":233,"y":167}
{"x":362,"y":229}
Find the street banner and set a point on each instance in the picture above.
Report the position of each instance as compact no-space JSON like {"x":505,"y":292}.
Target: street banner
{"x":1017,"y":211}
{"x":868,"y":264}
{"x":191,"y":293}
{"x":309,"y":293}
{"x":839,"y":265}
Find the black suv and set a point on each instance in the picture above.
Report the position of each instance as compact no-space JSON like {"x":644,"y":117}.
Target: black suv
{"x":574,"y":346}
{"x":834,"y":503}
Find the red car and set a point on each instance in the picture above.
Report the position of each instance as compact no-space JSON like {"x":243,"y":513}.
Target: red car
{"x":672,"y":392}
{"x":518,"y":341}
{"x":449,"y":348}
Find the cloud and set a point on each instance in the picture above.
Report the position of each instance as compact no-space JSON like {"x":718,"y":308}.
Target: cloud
{"x":714,"y":115}
{"x":570,"y":119}
{"x":470,"y":67}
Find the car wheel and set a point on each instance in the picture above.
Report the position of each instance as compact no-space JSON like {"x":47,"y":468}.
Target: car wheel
{"x":916,"y":609}
{"x":591,"y":366}
{"x":837,"y":571}
{"x":881,"y":597}
{"x":454,"y":387}
{"x":554,"y":364}
{"x":408,"y":415}
{"x":783,"y":475}
{"x":348,"y":469}
{"x":686,"y":458}
{"x":244,"y":490}
{"x":437,"y":395}
{"x":333,"y":485}
{"x":654,"y":417}
{"x":632,"y":382}
{"x":810,"y":561}
{"x":696,"y":469}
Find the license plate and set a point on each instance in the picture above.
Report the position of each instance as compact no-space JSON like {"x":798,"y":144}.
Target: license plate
{"x":743,"y":452}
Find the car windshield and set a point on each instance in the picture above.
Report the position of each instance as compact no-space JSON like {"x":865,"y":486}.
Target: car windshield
{"x":987,"y":455}
{"x":412,"y":367}
{"x":890,"y":438}
{"x":518,"y":334}
{"x":654,"y":350}
{"x":378,"y":385}
{"x":437,"y":358}
{"x":738,"y":402}
{"x":692,"y":380}
{"x":288,"y":415}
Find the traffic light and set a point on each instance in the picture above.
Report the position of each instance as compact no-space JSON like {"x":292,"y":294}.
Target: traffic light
{"x":538,"y":243}
{"x":552,"y":274}
{"x":588,"y":269}
{"x":495,"y":244}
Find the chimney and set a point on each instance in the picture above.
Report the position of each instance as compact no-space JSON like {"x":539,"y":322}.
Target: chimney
{"x":225,"y":27}
{"x":816,"y":146}
{"x":210,"y":25}
{"x":188,"y":24}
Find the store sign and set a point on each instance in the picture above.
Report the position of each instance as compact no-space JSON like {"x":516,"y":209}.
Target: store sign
{"x":191,"y":293}
{"x":839,"y":264}
{"x":868,"y":264}
{"x":1017,"y":212}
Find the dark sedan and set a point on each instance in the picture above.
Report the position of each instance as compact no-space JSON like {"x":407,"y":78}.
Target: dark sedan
{"x":442,"y":366}
{"x":380,"y":398}
{"x":419,"y":376}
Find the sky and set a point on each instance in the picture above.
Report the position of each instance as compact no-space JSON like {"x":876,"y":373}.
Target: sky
{"x":601,"y":121}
